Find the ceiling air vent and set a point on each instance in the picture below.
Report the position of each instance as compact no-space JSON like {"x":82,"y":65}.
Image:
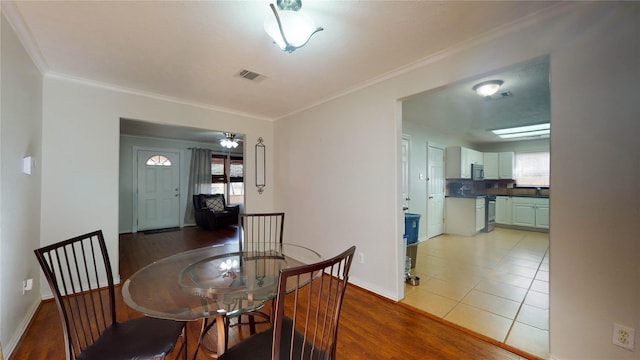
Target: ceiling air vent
{"x":250,"y":75}
{"x":499,"y":96}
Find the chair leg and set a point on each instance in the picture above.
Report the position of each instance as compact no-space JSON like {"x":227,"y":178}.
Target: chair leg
{"x":252,"y":324}
{"x":220,"y":325}
{"x":183,"y":346}
{"x":185,"y":342}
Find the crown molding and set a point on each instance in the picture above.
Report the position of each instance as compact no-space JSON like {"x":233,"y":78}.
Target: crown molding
{"x":130,"y":91}
{"x":16,"y":21}
{"x":516,"y":25}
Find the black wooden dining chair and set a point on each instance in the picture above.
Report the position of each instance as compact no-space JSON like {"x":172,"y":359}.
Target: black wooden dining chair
{"x":261,"y":230}
{"x":259,"y":233}
{"x":305,"y":322}
{"x":79,"y":274}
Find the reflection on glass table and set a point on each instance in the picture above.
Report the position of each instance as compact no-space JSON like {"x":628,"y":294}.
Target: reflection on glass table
{"x":215,"y":282}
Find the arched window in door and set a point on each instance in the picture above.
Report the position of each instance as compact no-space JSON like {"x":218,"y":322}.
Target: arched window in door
{"x":158,"y":160}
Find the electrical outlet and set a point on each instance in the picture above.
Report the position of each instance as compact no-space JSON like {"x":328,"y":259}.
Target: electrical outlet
{"x":624,"y":336}
{"x":27,"y":285}
{"x":360,"y":258}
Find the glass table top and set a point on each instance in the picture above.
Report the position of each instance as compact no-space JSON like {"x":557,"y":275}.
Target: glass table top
{"x":203,"y":282}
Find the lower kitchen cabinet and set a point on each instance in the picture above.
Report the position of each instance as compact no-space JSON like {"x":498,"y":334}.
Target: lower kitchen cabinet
{"x":464,"y":216}
{"x":503,"y":210}
{"x":530,"y":212}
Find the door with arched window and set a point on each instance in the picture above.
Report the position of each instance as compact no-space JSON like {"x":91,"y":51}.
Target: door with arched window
{"x":158,"y":192}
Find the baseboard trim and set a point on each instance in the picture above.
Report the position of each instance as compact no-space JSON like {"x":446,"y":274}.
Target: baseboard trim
{"x":22,"y":328}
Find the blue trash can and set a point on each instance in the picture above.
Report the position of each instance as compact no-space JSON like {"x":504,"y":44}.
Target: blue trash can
{"x":411,"y":225}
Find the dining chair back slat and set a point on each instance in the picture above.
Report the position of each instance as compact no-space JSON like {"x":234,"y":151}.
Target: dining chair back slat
{"x":261,"y":230}
{"x":305,"y":320}
{"x":81,"y":280}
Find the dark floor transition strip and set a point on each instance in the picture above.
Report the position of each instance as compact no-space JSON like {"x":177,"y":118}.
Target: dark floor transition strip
{"x":155,"y":231}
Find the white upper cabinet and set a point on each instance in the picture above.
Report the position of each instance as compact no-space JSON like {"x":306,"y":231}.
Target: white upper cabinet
{"x":505,"y":167}
{"x":490,"y":166}
{"x":458,"y":160}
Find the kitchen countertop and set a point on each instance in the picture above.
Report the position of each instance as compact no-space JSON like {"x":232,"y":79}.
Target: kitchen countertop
{"x":466,"y":196}
{"x":531,"y":196}
{"x":475,"y":196}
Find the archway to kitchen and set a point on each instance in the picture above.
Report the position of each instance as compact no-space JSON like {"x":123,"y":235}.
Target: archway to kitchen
{"x":494,"y":283}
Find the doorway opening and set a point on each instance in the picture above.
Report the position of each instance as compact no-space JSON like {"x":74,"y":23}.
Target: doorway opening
{"x":495,"y":283}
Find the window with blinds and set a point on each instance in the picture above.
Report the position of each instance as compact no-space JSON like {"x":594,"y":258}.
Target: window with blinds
{"x":235,"y":170}
{"x":532,"y":169}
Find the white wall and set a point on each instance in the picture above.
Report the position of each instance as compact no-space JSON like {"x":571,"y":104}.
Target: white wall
{"x":80,"y":165}
{"x":127,"y":147}
{"x":339,"y":168}
{"x":20,"y":135}
{"x":595,"y":247}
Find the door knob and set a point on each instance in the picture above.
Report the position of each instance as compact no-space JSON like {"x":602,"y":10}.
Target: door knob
{"x":430,"y":197}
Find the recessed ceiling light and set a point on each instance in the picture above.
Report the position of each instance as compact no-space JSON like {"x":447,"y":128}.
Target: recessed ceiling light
{"x":524,"y":131}
{"x":487,"y":88}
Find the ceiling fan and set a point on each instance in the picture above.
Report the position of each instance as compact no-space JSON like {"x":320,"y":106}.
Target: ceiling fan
{"x":230,"y":141}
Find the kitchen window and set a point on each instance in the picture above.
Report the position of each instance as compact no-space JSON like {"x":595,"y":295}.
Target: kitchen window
{"x":532,"y":169}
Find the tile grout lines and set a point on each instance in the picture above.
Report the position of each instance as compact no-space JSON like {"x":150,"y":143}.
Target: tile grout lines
{"x":525,"y":297}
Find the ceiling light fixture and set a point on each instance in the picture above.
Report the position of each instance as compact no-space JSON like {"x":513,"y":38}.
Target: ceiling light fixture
{"x":291,"y":28}
{"x":523,"y":131}
{"x":487,"y":88}
{"x":229,"y":141}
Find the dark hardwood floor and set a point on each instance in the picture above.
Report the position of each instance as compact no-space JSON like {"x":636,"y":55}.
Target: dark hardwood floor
{"x":371,"y":327}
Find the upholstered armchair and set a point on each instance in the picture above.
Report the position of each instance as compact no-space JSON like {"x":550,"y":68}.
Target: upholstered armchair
{"x":211,"y":211}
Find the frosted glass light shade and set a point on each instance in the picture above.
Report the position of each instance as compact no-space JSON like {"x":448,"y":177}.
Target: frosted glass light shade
{"x":297,"y":27}
{"x":487,"y":88}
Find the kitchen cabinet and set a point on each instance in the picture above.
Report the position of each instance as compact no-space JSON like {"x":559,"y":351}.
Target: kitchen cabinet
{"x":458,"y":160}
{"x":530,"y":212}
{"x":503,"y":210}
{"x":490,"y":161}
{"x":480,"y":204}
{"x":505,"y":165}
{"x":464,"y":215}
{"x":498,"y":165}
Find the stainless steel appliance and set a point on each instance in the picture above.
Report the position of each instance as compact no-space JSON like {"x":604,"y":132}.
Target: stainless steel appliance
{"x":477,"y":172}
{"x":490,"y":213}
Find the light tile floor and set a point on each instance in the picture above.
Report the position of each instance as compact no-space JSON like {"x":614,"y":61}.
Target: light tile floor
{"x":496,"y":284}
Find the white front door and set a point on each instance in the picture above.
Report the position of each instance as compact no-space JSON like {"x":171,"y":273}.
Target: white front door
{"x":158,"y":189}
{"x":435,"y":190}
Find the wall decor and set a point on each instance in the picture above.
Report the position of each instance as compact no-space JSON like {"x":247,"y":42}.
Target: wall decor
{"x":260,"y":165}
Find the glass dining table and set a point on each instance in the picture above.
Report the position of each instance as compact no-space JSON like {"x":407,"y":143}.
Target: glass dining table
{"x":213,"y":283}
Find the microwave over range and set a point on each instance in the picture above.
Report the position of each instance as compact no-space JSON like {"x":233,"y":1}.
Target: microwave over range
{"x":477,"y":172}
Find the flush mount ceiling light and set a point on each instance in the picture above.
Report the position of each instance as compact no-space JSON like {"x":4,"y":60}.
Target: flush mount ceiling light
{"x":523,"y":131}
{"x":291,"y":28}
{"x":487,"y":88}
{"x":229,"y":141}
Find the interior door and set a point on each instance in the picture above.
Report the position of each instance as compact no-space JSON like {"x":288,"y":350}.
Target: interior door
{"x":158,"y":189}
{"x":435,"y":190}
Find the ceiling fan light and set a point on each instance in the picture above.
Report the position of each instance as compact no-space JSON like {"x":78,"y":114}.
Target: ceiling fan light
{"x":487,"y":88}
{"x":229,"y":142}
